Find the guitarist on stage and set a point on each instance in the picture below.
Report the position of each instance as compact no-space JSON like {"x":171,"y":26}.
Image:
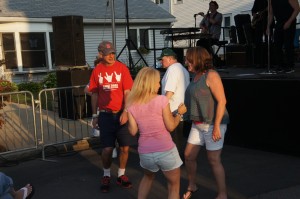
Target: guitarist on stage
{"x":259,"y":25}
{"x":210,"y":24}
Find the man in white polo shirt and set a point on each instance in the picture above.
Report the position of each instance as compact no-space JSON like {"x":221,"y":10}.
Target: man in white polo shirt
{"x":173,"y":85}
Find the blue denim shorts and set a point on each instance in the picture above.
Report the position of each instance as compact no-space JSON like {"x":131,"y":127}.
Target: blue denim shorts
{"x":6,"y":185}
{"x":203,"y":136}
{"x":166,"y":161}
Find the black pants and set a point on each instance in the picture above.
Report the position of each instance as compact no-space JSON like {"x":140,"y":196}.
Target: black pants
{"x":260,"y":40}
{"x":207,"y":43}
{"x":284,"y":39}
{"x":179,"y":139}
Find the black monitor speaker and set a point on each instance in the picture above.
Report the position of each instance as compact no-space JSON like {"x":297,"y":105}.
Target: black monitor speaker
{"x":68,"y":40}
{"x":73,"y":103}
{"x":240,"y":21}
{"x":232,"y":34}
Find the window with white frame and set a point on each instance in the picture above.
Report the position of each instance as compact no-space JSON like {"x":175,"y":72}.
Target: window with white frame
{"x":140,"y":38}
{"x":226,"y":25}
{"x":9,"y":50}
{"x":159,"y":1}
{"x":33,"y":50}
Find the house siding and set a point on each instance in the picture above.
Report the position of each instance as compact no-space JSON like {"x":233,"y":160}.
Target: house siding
{"x":93,"y":35}
{"x":17,"y":17}
{"x":184,"y":12}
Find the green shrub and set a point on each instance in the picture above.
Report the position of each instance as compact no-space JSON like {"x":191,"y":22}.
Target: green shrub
{"x":50,"y":81}
{"x":33,"y":87}
{"x":7,"y":86}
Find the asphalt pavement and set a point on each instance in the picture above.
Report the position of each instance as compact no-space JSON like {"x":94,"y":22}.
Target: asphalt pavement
{"x":251,"y":174}
{"x":68,"y":174}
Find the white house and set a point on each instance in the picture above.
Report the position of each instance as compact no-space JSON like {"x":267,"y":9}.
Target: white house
{"x":22,"y":23}
{"x":26,"y":34}
{"x":184,"y":11}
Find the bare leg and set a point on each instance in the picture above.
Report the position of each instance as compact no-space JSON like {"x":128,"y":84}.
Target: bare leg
{"x":173,"y":177}
{"x":20,"y":193}
{"x":190,"y":154}
{"x":145,"y":184}
{"x":214,"y":158}
{"x":106,"y":157}
{"x":123,"y":157}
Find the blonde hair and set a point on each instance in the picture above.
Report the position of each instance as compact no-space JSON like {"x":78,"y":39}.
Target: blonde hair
{"x":145,"y":85}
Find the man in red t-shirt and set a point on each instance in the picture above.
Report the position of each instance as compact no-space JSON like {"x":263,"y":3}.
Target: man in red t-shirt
{"x":110,"y":83}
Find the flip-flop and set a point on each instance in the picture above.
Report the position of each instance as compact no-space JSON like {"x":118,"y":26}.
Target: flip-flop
{"x":32,"y":192}
{"x":189,"y":193}
{"x":25,"y":191}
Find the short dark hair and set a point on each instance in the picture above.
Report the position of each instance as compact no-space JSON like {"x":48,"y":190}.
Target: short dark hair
{"x":216,"y":4}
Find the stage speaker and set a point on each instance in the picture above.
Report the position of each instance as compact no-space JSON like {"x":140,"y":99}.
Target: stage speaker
{"x":72,"y":102}
{"x":232,"y":34}
{"x":240,"y":21}
{"x":239,"y":55}
{"x":72,"y":77}
{"x":68,"y":40}
{"x":249,"y":34}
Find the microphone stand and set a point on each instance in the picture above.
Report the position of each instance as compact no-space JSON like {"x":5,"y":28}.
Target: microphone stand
{"x":268,"y":72}
{"x":129,"y":42}
{"x":195,"y":15}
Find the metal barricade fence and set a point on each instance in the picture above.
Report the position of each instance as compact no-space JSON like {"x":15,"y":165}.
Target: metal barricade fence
{"x":18,"y":132}
{"x":58,"y":116}
{"x":64,"y":115}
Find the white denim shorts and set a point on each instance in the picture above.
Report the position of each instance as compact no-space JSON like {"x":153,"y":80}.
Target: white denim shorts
{"x":166,"y":161}
{"x":201,"y":134}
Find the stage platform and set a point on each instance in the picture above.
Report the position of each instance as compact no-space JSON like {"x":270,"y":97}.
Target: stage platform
{"x":251,"y":72}
{"x":263,"y":108}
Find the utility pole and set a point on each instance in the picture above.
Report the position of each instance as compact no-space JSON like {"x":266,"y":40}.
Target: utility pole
{"x":113,"y":28}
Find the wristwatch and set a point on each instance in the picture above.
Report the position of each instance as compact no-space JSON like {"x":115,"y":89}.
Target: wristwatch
{"x":179,"y":114}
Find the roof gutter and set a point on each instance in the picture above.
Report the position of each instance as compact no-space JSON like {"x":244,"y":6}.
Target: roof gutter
{"x":88,"y":21}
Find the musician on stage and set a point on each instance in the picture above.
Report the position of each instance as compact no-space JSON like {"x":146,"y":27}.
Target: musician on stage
{"x":259,"y":25}
{"x":210,"y":24}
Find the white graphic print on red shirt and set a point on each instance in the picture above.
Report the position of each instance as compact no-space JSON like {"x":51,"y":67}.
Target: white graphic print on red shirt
{"x":109,"y":84}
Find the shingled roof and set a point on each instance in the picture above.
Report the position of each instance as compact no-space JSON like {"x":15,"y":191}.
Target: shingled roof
{"x":89,"y":9}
